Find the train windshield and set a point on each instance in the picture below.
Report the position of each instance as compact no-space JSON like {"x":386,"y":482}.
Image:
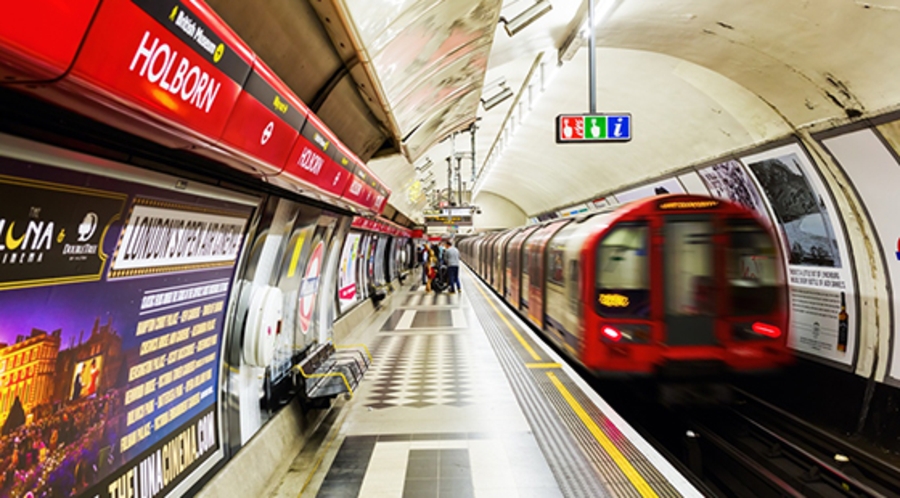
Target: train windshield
{"x":623,"y":277}
{"x":752,"y":269}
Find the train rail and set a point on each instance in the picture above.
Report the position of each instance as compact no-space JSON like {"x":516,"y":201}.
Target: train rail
{"x":752,"y":448}
{"x":825,"y":457}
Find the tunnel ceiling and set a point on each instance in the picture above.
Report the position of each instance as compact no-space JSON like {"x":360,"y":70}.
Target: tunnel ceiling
{"x":701,"y":78}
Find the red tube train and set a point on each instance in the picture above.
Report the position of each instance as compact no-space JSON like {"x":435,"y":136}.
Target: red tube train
{"x":669,"y":284}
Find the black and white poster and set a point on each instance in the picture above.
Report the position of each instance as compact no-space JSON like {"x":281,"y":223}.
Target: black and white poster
{"x":729,"y":180}
{"x":823,"y":304}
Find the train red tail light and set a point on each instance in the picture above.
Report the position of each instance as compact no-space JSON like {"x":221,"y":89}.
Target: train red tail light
{"x":767,"y":330}
{"x":611,"y":333}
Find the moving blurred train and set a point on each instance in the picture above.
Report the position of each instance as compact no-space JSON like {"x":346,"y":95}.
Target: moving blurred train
{"x":670,"y":286}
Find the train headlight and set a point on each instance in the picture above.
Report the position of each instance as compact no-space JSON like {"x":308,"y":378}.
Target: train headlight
{"x":766,"y":330}
{"x":755,"y":331}
{"x":626,"y":333}
{"x":611,"y":333}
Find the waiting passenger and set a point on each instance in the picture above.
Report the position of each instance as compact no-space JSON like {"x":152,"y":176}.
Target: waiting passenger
{"x":451,"y":258}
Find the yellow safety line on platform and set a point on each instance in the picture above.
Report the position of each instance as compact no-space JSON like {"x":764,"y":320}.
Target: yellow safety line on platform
{"x":630,"y":472}
{"x":543,"y":365}
{"x":336,"y":432}
{"x":512,"y":329}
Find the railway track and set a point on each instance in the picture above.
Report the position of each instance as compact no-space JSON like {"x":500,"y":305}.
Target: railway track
{"x":752,"y":448}
{"x":817,"y":462}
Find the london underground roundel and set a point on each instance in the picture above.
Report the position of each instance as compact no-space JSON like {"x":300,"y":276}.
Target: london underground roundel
{"x":309,"y":287}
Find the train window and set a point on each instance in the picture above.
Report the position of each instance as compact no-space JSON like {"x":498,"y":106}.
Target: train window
{"x":752,"y":269}
{"x":690,"y":278}
{"x":574,"y":288}
{"x":556,"y":266}
{"x":623,"y":279}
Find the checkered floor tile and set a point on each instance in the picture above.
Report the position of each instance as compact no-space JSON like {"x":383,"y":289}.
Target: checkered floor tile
{"x":420,"y":370}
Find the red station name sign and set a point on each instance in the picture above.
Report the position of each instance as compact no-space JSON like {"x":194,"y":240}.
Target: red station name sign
{"x":176,"y":72}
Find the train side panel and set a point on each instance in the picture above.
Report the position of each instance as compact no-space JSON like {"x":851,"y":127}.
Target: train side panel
{"x":537,"y":250}
{"x":500,"y":281}
{"x":515,"y":263}
{"x":563,"y":283}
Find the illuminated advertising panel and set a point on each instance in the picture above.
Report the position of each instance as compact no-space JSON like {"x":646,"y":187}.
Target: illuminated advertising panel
{"x":113,"y":296}
{"x":347,"y":293}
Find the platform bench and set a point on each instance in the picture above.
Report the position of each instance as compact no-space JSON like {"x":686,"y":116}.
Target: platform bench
{"x":327,"y":371}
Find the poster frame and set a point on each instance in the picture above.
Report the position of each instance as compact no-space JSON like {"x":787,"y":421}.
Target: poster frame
{"x":872,"y":125}
{"x":52,"y":156}
{"x":795,"y":140}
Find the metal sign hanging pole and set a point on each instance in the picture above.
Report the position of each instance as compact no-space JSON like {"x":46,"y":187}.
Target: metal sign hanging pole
{"x":472,"y":136}
{"x":449,"y":179}
{"x":459,"y":201}
{"x":592,"y":59}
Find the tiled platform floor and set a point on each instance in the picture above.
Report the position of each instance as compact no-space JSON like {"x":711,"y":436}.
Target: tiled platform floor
{"x":435,"y":415}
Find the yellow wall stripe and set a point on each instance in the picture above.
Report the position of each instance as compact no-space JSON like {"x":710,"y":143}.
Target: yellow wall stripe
{"x":630,"y":472}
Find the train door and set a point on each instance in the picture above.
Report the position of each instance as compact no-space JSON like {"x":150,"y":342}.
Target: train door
{"x":689,"y":273}
{"x":537,"y":271}
{"x":518,"y":277}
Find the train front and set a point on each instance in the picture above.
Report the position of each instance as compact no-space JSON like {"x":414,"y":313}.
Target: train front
{"x":686,"y":287}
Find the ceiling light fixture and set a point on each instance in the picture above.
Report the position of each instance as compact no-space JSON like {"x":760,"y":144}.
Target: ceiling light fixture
{"x":578,"y":37}
{"x":527,"y":17}
{"x":497,"y":99}
{"x":428,"y":164}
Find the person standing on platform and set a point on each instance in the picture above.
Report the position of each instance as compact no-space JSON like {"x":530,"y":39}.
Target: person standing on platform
{"x":451,"y":257}
{"x":424,"y":258}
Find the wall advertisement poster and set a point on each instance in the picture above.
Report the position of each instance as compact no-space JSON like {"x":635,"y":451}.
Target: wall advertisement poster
{"x":693,"y":184}
{"x":661,"y":187}
{"x":875,"y":173}
{"x":113,"y":296}
{"x":823,"y":295}
{"x":347,"y":295}
{"x":729,"y":180}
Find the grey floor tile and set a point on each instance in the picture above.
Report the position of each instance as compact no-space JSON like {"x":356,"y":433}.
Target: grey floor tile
{"x":455,"y":488}
{"x":420,"y":489}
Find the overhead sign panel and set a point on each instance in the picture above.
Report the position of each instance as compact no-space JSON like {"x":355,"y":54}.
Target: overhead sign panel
{"x":39,"y":38}
{"x":266,"y":119}
{"x":172,"y":60}
{"x":578,"y":128}
{"x":312,"y":161}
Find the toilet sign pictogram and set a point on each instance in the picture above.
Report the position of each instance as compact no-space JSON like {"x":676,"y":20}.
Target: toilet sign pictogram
{"x":593,"y":128}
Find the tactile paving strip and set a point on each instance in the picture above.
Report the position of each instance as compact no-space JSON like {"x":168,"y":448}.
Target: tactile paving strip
{"x":574,"y":473}
{"x":603,"y":466}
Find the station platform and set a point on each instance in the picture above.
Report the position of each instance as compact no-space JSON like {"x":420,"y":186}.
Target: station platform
{"x":463,"y":400}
